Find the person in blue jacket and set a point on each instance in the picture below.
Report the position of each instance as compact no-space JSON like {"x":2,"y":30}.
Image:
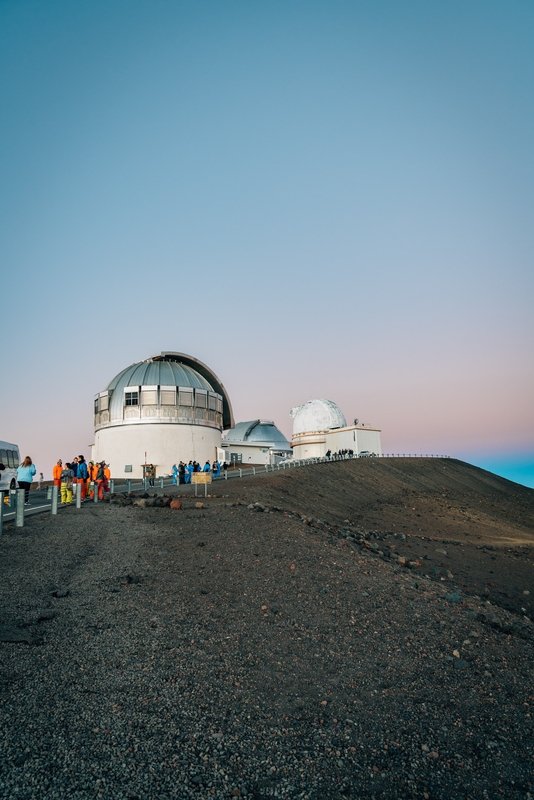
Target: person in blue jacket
{"x":207,"y":467}
{"x":188,"y":472}
{"x":25,"y":473}
{"x":82,"y":476}
{"x":175,"y":474}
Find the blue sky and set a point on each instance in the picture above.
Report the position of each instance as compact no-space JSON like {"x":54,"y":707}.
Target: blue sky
{"x":316,"y":199}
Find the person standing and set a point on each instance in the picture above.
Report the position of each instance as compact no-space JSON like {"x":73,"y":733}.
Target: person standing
{"x":56,"y":473}
{"x":82,"y":475}
{"x":25,"y":473}
{"x":40,"y":481}
{"x":107,"y":477}
{"x":175,"y":471}
{"x":100,"y":479}
{"x":66,"y":485}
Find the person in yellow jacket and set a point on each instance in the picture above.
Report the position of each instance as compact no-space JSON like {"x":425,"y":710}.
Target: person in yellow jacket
{"x":66,"y":485}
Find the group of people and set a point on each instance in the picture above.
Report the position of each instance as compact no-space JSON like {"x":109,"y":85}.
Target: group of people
{"x":92,"y":476}
{"x":329,"y":453}
{"x":183,"y":472}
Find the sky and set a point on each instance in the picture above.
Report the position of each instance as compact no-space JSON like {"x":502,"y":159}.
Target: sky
{"x":317,"y":199}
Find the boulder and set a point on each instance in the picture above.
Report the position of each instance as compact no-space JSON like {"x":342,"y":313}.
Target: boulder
{"x":176,"y":505}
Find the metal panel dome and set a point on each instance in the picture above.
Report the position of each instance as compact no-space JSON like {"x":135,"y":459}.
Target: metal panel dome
{"x":167,"y":369}
{"x":258,"y":431}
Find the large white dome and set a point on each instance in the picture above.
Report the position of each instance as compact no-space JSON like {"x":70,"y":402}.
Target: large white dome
{"x":317,"y":415}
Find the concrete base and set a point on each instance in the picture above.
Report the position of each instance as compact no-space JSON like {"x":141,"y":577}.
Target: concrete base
{"x":164,"y":445}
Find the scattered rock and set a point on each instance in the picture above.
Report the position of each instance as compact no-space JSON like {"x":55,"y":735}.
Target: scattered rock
{"x":199,"y":505}
{"x":176,"y":505}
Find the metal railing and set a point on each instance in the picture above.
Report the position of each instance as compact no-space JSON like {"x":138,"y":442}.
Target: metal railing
{"x":129,"y":485}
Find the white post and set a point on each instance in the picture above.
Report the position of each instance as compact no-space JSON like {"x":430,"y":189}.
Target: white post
{"x":53,"y":507}
{"x":19,"y":514}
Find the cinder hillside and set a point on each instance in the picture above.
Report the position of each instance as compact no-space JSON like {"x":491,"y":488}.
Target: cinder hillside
{"x":477,"y":515}
{"x":295,"y":637}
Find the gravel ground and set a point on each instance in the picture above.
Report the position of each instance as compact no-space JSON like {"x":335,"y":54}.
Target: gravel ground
{"x":236,"y":651}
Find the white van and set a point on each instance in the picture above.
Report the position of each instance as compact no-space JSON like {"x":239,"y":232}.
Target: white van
{"x":9,"y":461}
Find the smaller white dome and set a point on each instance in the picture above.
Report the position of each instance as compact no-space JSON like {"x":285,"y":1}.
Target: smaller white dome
{"x":317,"y":415}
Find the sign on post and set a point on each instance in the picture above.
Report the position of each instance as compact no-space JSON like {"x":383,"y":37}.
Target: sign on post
{"x":201,"y":478}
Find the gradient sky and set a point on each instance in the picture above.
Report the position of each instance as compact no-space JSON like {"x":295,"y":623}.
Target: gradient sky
{"x":317,"y":199}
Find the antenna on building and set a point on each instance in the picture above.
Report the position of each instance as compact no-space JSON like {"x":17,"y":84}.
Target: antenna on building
{"x":356,"y":421}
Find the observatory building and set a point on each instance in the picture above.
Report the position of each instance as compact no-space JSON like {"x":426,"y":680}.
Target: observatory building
{"x":167,"y":409}
{"x":319,"y":426}
{"x":256,"y":442}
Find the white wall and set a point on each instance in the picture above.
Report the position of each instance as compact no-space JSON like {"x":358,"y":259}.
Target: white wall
{"x":164,"y":444}
{"x":356,"y":439}
{"x":250,"y":454}
{"x":309,"y":450}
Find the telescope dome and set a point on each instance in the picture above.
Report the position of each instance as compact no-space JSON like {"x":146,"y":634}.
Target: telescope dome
{"x":317,"y":415}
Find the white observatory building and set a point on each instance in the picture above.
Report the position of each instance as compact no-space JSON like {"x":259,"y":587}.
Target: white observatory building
{"x":167,"y":409}
{"x":256,"y":442}
{"x":319,"y":426}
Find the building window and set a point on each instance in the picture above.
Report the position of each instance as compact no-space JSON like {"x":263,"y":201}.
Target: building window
{"x":149,"y":397}
{"x":236,"y":458}
{"x":131,"y":398}
{"x":168,"y":397}
{"x":185,"y":398}
{"x":200,"y":400}
{"x":104,"y":403}
{"x":213,"y":402}
{"x":96,"y":406}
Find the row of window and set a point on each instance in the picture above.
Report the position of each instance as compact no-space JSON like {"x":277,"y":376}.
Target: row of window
{"x":9,"y":458}
{"x":167,"y":397}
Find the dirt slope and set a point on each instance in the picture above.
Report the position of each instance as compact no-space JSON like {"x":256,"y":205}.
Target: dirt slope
{"x":456,"y":518}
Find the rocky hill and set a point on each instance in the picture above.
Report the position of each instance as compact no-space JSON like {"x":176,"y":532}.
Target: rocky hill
{"x":288,"y":639}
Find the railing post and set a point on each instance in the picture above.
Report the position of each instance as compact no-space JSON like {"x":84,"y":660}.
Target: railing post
{"x":128,"y":485}
{"x":78,"y":493}
{"x":48,"y":492}
{"x":161,"y":479}
{"x":240,"y":472}
{"x":225,"y":474}
{"x":253,"y":470}
{"x":53,"y":507}
{"x":112,"y":486}
{"x":95,"y":493}
{"x":1,"y":513}
{"x":19,"y":513}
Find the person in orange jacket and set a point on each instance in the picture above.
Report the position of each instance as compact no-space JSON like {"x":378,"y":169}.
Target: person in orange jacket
{"x":93,"y":469}
{"x":100,"y":480}
{"x":56,"y":473}
{"x":107,"y":477}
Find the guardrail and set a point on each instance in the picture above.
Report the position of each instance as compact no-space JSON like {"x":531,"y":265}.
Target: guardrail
{"x":16,"y":497}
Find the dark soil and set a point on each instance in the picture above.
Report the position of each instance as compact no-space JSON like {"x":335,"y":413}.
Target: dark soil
{"x":268,"y":645}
